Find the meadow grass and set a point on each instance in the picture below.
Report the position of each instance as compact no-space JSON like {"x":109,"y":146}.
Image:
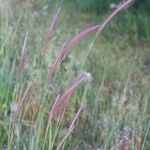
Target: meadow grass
{"x":98,"y":95}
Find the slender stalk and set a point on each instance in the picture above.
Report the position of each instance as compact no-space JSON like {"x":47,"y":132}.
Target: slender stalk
{"x":72,"y":126}
{"x":50,"y":30}
{"x":20,"y":103}
{"x":22,"y":57}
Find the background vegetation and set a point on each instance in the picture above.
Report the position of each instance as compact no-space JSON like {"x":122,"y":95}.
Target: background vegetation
{"x":116,"y":100}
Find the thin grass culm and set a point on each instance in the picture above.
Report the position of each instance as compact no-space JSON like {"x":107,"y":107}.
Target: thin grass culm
{"x":48,"y":34}
{"x":23,"y":55}
{"x":71,"y":127}
{"x":21,"y":102}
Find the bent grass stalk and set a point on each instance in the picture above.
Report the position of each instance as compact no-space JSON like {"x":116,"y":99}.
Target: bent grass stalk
{"x":120,"y":7}
{"x":65,"y":49}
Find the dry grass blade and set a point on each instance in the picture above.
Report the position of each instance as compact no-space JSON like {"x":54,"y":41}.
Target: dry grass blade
{"x":64,"y":139}
{"x":64,"y":50}
{"x":22,"y":57}
{"x":76,"y":117}
{"x":50,"y":30}
{"x":72,"y":126}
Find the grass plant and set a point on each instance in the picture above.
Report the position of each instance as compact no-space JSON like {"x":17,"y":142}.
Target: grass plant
{"x":92,"y":92}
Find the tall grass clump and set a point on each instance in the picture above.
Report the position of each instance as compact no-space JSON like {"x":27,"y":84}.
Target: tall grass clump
{"x":46,"y":105}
